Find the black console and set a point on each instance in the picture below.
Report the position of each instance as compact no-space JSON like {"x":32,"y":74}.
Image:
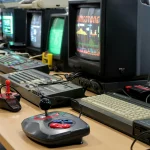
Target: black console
{"x":12,"y":63}
{"x":33,"y":84}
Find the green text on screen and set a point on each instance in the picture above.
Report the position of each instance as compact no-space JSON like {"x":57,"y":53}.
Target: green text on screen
{"x":7,"y":25}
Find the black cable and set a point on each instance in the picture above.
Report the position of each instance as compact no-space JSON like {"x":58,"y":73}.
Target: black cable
{"x":138,"y":137}
{"x":72,"y":76}
{"x":62,"y":97}
{"x":126,"y":93}
{"x":69,"y":77}
{"x":99,"y":83}
{"x":80,"y":107}
{"x":122,"y":91}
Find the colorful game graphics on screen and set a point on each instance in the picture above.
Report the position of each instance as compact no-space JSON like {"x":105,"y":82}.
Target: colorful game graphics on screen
{"x":35,"y":31}
{"x":88,"y":33}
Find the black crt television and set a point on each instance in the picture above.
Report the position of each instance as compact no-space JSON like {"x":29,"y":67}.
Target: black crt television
{"x":102,"y":38}
{"x":13,"y":25}
{"x":57,"y":40}
{"x":37,"y":29}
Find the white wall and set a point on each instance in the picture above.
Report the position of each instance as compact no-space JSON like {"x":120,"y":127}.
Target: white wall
{"x":39,"y":4}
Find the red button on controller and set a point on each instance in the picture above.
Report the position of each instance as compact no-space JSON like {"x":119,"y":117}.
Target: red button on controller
{"x":59,"y":125}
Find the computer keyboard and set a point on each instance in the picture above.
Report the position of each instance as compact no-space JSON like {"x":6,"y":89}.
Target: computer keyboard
{"x":31,"y":84}
{"x":13,"y":62}
{"x":115,"y":110}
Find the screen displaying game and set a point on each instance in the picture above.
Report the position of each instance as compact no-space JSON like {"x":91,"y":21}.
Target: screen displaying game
{"x":55,"y":36}
{"x":1,"y":37}
{"x":88,"y":33}
{"x":35,"y":31}
{"x":7,"y":25}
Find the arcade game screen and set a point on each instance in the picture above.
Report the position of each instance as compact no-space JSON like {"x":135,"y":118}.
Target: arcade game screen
{"x":88,"y":33}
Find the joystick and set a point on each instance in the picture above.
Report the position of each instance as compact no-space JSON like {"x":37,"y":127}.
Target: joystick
{"x":7,"y":82}
{"x":45,"y":104}
{"x":55,"y":128}
{"x":9,"y":100}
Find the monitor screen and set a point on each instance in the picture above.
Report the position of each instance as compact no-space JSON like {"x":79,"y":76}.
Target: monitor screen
{"x":35,"y":31}
{"x":55,"y":36}
{"x":1,"y":37}
{"x":88,"y":33}
{"x":7,"y":25}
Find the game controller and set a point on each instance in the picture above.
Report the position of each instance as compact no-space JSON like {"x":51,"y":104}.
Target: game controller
{"x":10,"y":100}
{"x":55,"y":128}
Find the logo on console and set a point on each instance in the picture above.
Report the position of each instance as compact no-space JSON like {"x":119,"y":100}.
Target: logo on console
{"x":43,"y":117}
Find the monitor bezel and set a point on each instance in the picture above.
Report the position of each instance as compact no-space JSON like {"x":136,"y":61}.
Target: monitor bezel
{"x":62,"y":55}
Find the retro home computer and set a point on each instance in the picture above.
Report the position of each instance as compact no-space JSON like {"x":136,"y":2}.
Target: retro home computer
{"x":57,"y":41}
{"x":14,"y":25}
{"x":37,"y":29}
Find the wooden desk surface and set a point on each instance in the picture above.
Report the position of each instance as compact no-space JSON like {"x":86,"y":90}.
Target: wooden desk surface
{"x":101,"y":137}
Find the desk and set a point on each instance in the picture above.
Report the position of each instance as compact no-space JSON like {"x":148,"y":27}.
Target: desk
{"x":101,"y":137}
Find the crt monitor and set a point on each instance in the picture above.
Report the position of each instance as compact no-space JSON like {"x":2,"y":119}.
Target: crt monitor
{"x":102,"y":38}
{"x":57,"y":43}
{"x":37,"y":29}
{"x":13,"y":25}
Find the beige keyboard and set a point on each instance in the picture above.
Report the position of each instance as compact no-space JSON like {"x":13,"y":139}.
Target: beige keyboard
{"x":127,"y":110}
